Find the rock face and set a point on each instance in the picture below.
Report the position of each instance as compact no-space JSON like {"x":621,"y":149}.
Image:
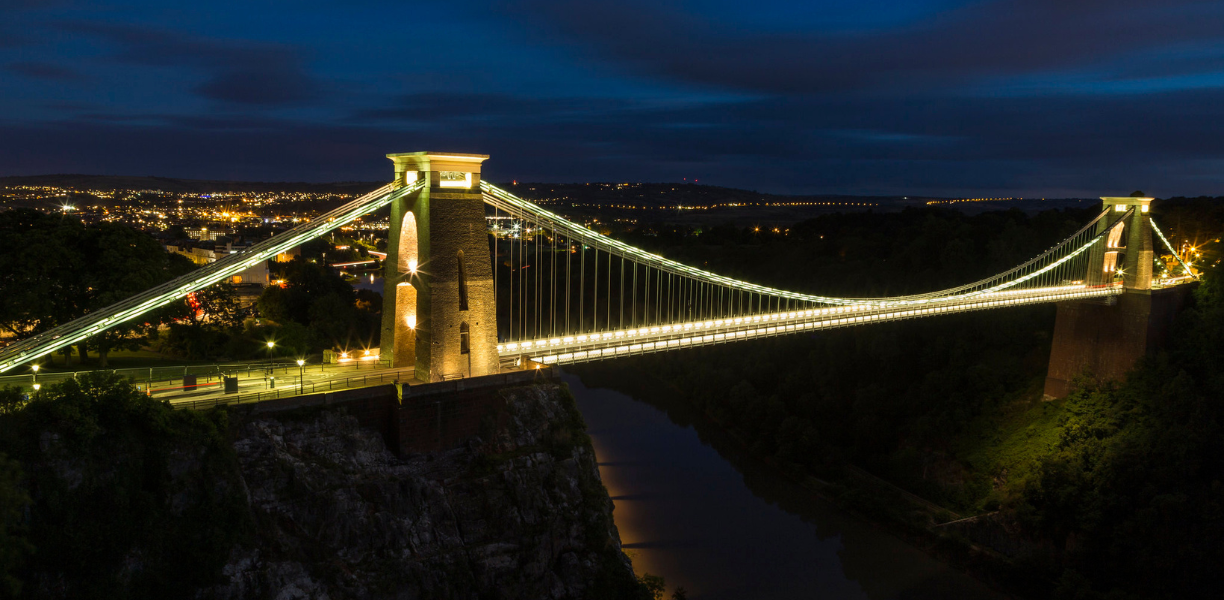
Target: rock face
{"x":337,"y":515}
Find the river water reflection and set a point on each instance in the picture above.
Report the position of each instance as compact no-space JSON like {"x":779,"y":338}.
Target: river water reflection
{"x":694,"y":508}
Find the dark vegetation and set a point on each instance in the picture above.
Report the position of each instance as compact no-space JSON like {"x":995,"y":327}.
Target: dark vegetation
{"x":1120,"y":486}
{"x":868,"y":253}
{"x":314,"y":310}
{"x":54,"y":269}
{"x":105,"y":493}
{"x":333,"y":314}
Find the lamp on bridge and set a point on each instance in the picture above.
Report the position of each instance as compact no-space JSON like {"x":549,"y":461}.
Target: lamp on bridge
{"x":301,"y":373}
{"x":272,"y":379}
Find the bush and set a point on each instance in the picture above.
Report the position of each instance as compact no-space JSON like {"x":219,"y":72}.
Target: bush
{"x":131,"y":498}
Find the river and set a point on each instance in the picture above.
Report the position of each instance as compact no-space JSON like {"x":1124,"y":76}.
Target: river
{"x":693,"y":507}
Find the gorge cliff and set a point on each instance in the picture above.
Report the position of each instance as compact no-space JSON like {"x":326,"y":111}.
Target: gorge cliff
{"x":151,"y":502}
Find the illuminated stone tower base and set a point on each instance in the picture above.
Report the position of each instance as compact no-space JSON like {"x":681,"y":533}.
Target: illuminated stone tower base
{"x":438,"y":312}
{"x":1103,"y":339}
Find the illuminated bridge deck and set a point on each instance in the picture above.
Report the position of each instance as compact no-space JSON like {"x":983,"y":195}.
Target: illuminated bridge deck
{"x":629,"y":342}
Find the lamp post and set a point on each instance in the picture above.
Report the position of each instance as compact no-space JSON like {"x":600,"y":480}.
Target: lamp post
{"x":34,"y":377}
{"x":301,"y":373}
{"x":270,"y":377}
{"x":36,"y":386}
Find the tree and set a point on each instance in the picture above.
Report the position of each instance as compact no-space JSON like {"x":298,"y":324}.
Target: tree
{"x":121,"y":262}
{"x":273,"y":303}
{"x":53,"y":269}
{"x":39,"y":270}
{"x":218,"y":305}
{"x":314,"y":297}
{"x":129,"y":492}
{"x":176,"y":232}
{"x":13,"y":544}
{"x":653,"y":585}
{"x":332,"y":319}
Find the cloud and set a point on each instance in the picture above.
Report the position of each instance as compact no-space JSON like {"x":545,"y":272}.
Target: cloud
{"x":235,"y":72}
{"x":883,"y":127}
{"x":1077,"y":145}
{"x":492,"y":108}
{"x":1030,"y":96}
{"x":1004,"y":37}
{"x":42,"y":70}
{"x":28,"y":4}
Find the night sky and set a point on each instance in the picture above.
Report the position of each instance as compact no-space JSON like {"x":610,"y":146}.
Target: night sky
{"x":940,"y":97}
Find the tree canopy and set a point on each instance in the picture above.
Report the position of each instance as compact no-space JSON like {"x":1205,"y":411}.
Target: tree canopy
{"x":54,"y":269}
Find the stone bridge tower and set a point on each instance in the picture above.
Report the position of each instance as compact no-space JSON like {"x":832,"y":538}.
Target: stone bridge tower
{"x":1128,"y":245}
{"x":1105,"y":338}
{"x":438,"y":310}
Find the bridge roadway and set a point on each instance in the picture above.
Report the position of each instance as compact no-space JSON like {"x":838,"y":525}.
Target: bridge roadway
{"x":255,"y":381}
{"x":258,"y":388}
{"x":627,"y":342}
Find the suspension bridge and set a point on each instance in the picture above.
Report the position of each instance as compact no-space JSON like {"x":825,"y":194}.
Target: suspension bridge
{"x":548,"y":291}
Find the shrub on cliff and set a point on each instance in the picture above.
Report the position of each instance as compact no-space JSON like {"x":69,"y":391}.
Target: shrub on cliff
{"x":1135,"y":483}
{"x":129,"y":498}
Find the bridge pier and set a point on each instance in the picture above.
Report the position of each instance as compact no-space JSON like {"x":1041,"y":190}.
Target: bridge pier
{"x":1104,"y":340}
{"x":438,"y":296}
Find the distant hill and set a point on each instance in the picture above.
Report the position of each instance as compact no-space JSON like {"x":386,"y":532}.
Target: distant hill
{"x":580,"y":197}
{"x":673,"y":193}
{"x":171,"y":184}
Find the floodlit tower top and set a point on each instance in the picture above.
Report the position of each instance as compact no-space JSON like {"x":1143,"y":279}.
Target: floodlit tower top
{"x":1123,"y":203}
{"x":445,"y":169}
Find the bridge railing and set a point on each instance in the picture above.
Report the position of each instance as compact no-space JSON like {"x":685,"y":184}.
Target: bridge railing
{"x":301,"y":389}
{"x":152,"y":378}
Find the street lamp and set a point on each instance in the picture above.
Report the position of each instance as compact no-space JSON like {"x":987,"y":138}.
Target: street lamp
{"x":271,"y":379}
{"x":37,"y":386}
{"x":34,"y":377}
{"x":301,"y":373}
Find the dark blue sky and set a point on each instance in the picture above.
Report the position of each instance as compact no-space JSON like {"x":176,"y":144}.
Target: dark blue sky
{"x":945,"y":97}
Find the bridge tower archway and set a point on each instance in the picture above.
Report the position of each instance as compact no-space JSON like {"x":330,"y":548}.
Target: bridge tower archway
{"x":402,"y":274}
{"x":438,"y":307}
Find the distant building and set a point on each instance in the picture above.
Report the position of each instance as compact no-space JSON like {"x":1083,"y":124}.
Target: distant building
{"x":204,"y":253}
{"x":207,"y":234}
{"x":289,"y":255}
